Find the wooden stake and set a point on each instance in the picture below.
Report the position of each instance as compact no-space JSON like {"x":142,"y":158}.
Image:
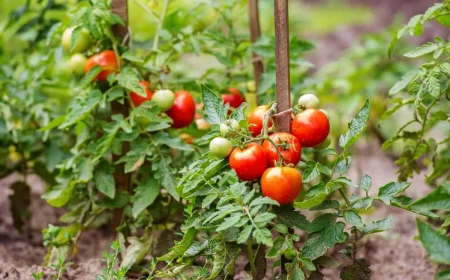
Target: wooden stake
{"x":122,"y":180}
{"x":255,"y":33}
{"x":282,"y":63}
{"x":282,"y":76}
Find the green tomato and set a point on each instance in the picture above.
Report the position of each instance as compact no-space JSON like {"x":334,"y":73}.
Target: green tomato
{"x":227,"y":126}
{"x":164,"y":98}
{"x":325,"y":144}
{"x":78,"y":63}
{"x":82,"y":42}
{"x":310,"y":101}
{"x":220,"y":147}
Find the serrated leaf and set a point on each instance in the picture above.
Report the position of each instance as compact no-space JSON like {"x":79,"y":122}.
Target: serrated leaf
{"x":81,"y":107}
{"x":220,"y":254}
{"x":181,"y":246}
{"x":437,"y":245}
{"x":104,"y":179}
{"x":132,"y":57}
{"x":356,"y":127}
{"x":378,"y":226}
{"x":291,"y":218}
{"x":213,"y":109}
{"x":366,"y":183}
{"x":90,"y":76}
{"x":327,"y":204}
{"x":313,"y":169}
{"x":439,"y":199}
{"x":128,"y":78}
{"x":392,"y":189}
{"x":363,"y":203}
{"x":312,"y":201}
{"x":245,"y":234}
{"x":164,"y":138}
{"x":229,"y":222}
{"x":343,"y":165}
{"x":280,"y":245}
{"x":146,"y":193}
{"x":404,"y":81}
{"x":422,"y":50}
{"x":263,"y":200}
{"x":53,"y":124}
{"x":264,"y":217}
{"x":353,"y":218}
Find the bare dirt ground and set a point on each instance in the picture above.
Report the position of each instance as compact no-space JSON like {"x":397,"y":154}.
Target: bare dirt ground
{"x":394,"y":255}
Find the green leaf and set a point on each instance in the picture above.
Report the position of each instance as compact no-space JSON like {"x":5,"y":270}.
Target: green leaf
{"x":132,"y":57}
{"x":356,"y":126}
{"x":313,"y":169}
{"x":363,"y":203}
{"x":386,"y":192}
{"x":264,"y":217}
{"x":85,"y":170}
{"x":214,"y":111}
{"x":378,"y":226}
{"x":263,"y":200}
{"x":120,"y":200}
{"x":155,"y":126}
{"x":104,"y":179}
{"x":146,"y":193}
{"x":220,"y":254}
{"x":263,"y":236}
{"x":180,"y":247}
{"x":404,"y":82}
{"x":312,"y":201}
{"x":366,"y":183}
{"x":359,"y":270}
{"x":53,"y":124}
{"x":343,"y":165}
{"x":422,"y":50}
{"x":443,"y":274}
{"x":437,"y":245}
{"x":164,"y":138}
{"x":327,"y":237}
{"x":327,"y":204}
{"x":89,"y":77}
{"x":136,"y":250}
{"x":128,"y":78}
{"x":439,"y":199}
{"x":353,"y":218}
{"x":80,"y":107}
{"x":280,"y":246}
{"x":60,"y":194}
{"x":327,"y":262}
{"x":229,"y":222}
{"x":344,"y":181}
{"x":245,"y":234}
{"x":287,"y":215}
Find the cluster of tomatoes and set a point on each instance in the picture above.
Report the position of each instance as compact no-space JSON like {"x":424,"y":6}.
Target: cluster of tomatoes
{"x":273,"y":156}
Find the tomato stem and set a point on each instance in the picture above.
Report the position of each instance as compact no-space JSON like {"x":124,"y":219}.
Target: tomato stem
{"x":160,"y":25}
{"x":251,"y":259}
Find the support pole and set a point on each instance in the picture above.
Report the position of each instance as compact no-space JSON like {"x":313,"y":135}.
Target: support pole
{"x":255,"y":33}
{"x":282,"y":63}
{"x":122,"y":180}
{"x":282,"y":75}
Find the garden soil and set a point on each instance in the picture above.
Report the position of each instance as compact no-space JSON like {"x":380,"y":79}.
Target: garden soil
{"x":394,"y":255}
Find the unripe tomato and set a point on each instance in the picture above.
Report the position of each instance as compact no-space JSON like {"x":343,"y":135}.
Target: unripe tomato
{"x":220,"y":147}
{"x":107,"y":60}
{"x":310,"y":101}
{"x":235,"y":98}
{"x":183,"y":109}
{"x":227,"y":126}
{"x":82,"y":42}
{"x":249,"y":163}
{"x":256,"y":119}
{"x":311,"y":127}
{"x":164,"y":98}
{"x":139,"y":99}
{"x":290,"y":149}
{"x":282,"y":184}
{"x":77,"y":63}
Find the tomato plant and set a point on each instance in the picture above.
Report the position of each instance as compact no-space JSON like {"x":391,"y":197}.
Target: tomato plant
{"x":311,"y":127}
{"x":253,"y":155}
{"x":282,"y":184}
{"x":256,"y":118}
{"x":288,"y":147}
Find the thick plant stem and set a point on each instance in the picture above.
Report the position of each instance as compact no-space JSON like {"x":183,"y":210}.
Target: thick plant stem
{"x":251,"y":259}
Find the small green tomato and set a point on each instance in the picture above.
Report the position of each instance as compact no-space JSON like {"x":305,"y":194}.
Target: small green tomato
{"x":164,"y":98}
{"x":220,"y":147}
{"x":77,"y":63}
{"x":310,"y":101}
{"x":82,"y":43}
{"x":227,"y":127}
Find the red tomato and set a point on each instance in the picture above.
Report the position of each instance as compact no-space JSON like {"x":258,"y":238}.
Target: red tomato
{"x":183,"y":109}
{"x":138,"y":99}
{"x":107,"y":60}
{"x":249,"y":163}
{"x":235,"y":98}
{"x":256,"y":120}
{"x":282,"y":184}
{"x":311,"y":127}
{"x":290,"y":149}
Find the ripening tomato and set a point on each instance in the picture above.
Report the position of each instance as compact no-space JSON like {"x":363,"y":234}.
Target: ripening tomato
{"x":309,"y":101}
{"x":187,"y":138}
{"x":256,"y":119}
{"x":282,"y":184}
{"x":311,"y":127}
{"x":249,"y":163}
{"x":235,"y":98}
{"x":183,"y":109}
{"x":107,"y":60}
{"x":164,"y":98}
{"x":289,"y":146}
{"x":82,"y":41}
{"x":139,"y":99}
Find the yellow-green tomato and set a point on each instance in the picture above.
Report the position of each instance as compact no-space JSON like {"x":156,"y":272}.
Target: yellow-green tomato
{"x":325,"y":144}
{"x":220,"y":147}
{"x":164,"y":98}
{"x":229,"y":127}
{"x":82,"y":42}
{"x":310,"y":101}
{"x":77,"y":63}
